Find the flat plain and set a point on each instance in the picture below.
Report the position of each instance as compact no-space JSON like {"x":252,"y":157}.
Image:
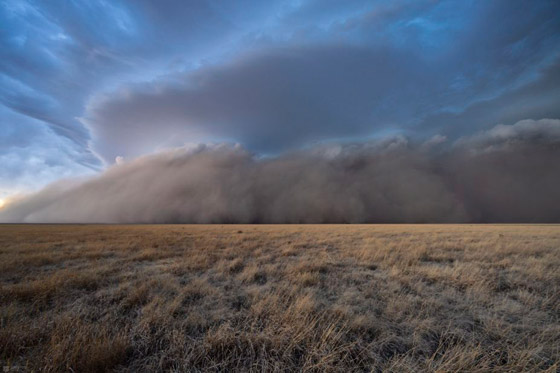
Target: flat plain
{"x":391,"y":298}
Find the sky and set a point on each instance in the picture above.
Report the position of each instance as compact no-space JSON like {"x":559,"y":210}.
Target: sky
{"x":88,"y":85}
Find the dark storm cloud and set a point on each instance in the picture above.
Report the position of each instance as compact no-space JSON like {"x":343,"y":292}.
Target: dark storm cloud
{"x":506,"y":174}
{"x":269,"y":102}
{"x":390,"y":69}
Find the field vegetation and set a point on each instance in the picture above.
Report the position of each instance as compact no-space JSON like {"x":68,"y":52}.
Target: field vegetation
{"x":391,"y":298}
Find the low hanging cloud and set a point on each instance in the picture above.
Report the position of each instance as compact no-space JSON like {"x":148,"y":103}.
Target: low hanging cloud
{"x":506,"y":174}
{"x":269,"y":101}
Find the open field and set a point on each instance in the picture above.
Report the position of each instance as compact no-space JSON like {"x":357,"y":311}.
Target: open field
{"x":272,"y":298}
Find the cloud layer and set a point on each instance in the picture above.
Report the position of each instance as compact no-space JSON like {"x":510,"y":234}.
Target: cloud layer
{"x":273,"y":101}
{"x":506,"y":174}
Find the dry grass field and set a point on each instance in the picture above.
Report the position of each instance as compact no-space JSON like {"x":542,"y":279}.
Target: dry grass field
{"x":391,"y":298}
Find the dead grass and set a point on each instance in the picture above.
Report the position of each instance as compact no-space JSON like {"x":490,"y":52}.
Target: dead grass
{"x":274,"y":298}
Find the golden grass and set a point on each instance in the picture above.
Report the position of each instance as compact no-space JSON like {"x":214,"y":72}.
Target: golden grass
{"x":274,"y":298}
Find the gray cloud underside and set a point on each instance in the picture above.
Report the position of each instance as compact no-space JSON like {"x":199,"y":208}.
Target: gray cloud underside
{"x":287,"y":98}
{"x":506,"y":174}
{"x":272,"y":101}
